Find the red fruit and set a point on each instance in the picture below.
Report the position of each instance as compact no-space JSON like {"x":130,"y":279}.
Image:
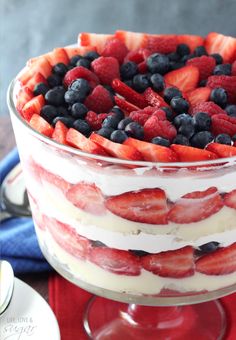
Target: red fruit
{"x":230,"y":199}
{"x":207,"y":107}
{"x":152,"y":152}
{"x":115,"y":149}
{"x":220,"y":262}
{"x":204,"y":64}
{"x":58,"y":55}
{"x":196,"y":206}
{"x":60,"y":132}
{"x":24,"y":95}
{"x":139,"y":116}
{"x":192,"y":41}
{"x":199,"y":95}
{"x":99,"y":100}
{"x":160,"y":114}
{"x":142,"y":67}
{"x":41,"y":125}
{"x":227,"y":82}
{"x":106,"y":69}
{"x":124,"y":105}
{"x":55,"y":180}
{"x":87,"y":197}
{"x":80,"y":50}
{"x":223,"y":123}
{"x":185,"y":78}
{"x":116,"y":261}
{"x":95,"y":120}
{"x":78,"y":140}
{"x":40,"y":65}
{"x":128,"y":93}
{"x":33,"y":106}
{"x":94,"y":39}
{"x":81,"y":72}
{"x":162,"y":43}
{"x":144,"y":206}
{"x":234,"y":68}
{"x":115,"y":48}
{"x":36,"y":78}
{"x":156,"y":127}
{"x":132,"y":40}
{"x":222,"y":44}
{"x":138,"y":56}
{"x":222,"y":150}
{"x":173,"y":263}
{"x":191,"y":154}
{"x":154,"y":99}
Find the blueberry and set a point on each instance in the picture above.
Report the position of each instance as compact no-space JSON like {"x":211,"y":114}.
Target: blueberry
{"x":157,"y":82}
{"x":217,"y":57}
{"x":105,"y":132}
{"x":182,"y":49}
{"x":80,"y":84}
{"x":231,"y":110}
{"x":141,"y":82}
{"x":128,"y":70}
{"x":122,"y":124}
{"x":129,"y":83}
{"x":82,"y":126}
{"x":55,"y":96}
{"x":187,"y":129}
{"x":67,"y":120}
{"x":202,"y":121}
{"x":169,"y":113}
{"x":62,"y":110}
{"x":111,"y":122}
{"x":209,"y":247}
{"x":40,"y":88}
{"x":219,"y":96}
{"x":176,"y":65}
{"x":60,"y":69}
{"x":173,"y":56}
{"x":179,"y":105}
{"x":74,"y":59}
{"x":92,"y":55}
{"x":187,"y":57}
{"x":158,"y":63}
{"x":180,"y":139}
{"x":134,"y":130}
{"x":202,"y":83}
{"x":83,"y":62}
{"x":199,"y":51}
{"x":78,"y":110}
{"x":118,"y":113}
{"x":118,"y":136}
{"x":183,"y":118}
{"x":223,"y":69}
{"x":234,"y":138}
{"x":201,"y":139}
{"x":161,"y":141}
{"x":72,"y":97}
{"x":48,"y":112}
{"x":171,"y":92}
{"x":54,"y":80}
{"x":223,"y":138}
{"x":110,"y":89}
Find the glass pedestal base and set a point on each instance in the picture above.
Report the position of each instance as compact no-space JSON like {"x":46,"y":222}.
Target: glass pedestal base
{"x":106,"y":319}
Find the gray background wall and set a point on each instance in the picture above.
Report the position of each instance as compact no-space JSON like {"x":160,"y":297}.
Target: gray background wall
{"x":32,"y":27}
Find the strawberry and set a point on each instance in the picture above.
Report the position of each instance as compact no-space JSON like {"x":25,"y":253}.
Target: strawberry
{"x":124,"y":105}
{"x":173,"y":263}
{"x":58,"y":55}
{"x":192,"y":41}
{"x":154,"y":127}
{"x":106,"y":69}
{"x":220,"y":262}
{"x":223,"y":123}
{"x":138,"y":56}
{"x":41,"y":125}
{"x":208,"y":107}
{"x":222,"y":150}
{"x":199,"y":95}
{"x":162,"y":43}
{"x":154,"y":99}
{"x":152,"y":152}
{"x":79,"y":50}
{"x":128,"y":93}
{"x":78,"y":140}
{"x":99,"y":100}
{"x":94,"y":39}
{"x":95,"y":120}
{"x":60,"y":132}
{"x":34,"y":80}
{"x":87,"y":197}
{"x":227,"y":82}
{"x":196,"y":206}
{"x":230,"y":199}
{"x":24,"y":95}
{"x":48,"y":176}
{"x":191,"y":154}
{"x":33,"y":106}
{"x":116,"y":149}
{"x":40,"y":65}
{"x":115,"y":48}
{"x":204,"y":64}
{"x":144,"y":206}
{"x":132,"y":40}
{"x":116,"y":261}
{"x":81,"y":72}
{"x":185,"y":78}
{"x":222,"y":44}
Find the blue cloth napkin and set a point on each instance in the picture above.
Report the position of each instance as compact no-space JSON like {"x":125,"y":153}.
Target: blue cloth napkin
{"x":18,"y":241}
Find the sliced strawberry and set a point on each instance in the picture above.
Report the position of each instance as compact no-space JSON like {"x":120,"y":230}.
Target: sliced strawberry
{"x":222,"y":44}
{"x":24,"y":95}
{"x":191,"y":154}
{"x":33,"y":106}
{"x":173,"y":263}
{"x":116,"y":261}
{"x":192,"y":41}
{"x":132,"y":40}
{"x":78,"y":140}
{"x":40,"y":65}
{"x":230,"y":199}
{"x":115,"y":48}
{"x":36,"y":78}
{"x":144,"y":206}
{"x":99,"y":100}
{"x":207,"y":107}
{"x":204,"y":64}
{"x":226,"y":82}
{"x":220,"y":262}
{"x":196,"y":206}
{"x":199,"y":95}
{"x":41,"y":125}
{"x":138,"y":56}
{"x":185,"y":78}
{"x":162,"y":43}
{"x":60,"y":132}
{"x":152,"y":152}
{"x":124,"y":105}
{"x":58,"y":55}
{"x":79,"y":50}
{"x":94,"y":39}
{"x":222,"y":150}
{"x":87,"y":197}
{"x":115,"y":149}
{"x":223,"y":123}
{"x":155,"y":127}
{"x":48,"y":176}
{"x":106,"y":69}
{"x":81,"y":72}
{"x":154,"y":99}
{"x":128,"y":93}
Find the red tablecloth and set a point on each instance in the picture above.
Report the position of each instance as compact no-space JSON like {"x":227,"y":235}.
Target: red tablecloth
{"x":68,"y":303}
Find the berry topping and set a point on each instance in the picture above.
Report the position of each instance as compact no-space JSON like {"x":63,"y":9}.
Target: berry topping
{"x":106,"y":69}
{"x":223,"y":138}
{"x":222,"y":150}
{"x":33,"y":106}
{"x":79,"y":110}
{"x":171,"y":92}
{"x":223,"y":123}
{"x":99,"y":100}
{"x":128,"y":70}
{"x":48,"y":112}
{"x":226,"y":82}
{"x":223,"y":69}
{"x":60,"y":132}
{"x":118,"y":136}
{"x":158,"y":63}
{"x":179,"y":105}
{"x":231,"y":110}
{"x":41,"y":125}
{"x":115,"y":48}
{"x":219,"y":96}
{"x":155,"y":127}
{"x":134,"y":130}
{"x":191,"y":154}
{"x":208,"y":107}
{"x":202,"y":121}
{"x":157,"y":82}
{"x":141,"y":82}
{"x":185,"y":79}
{"x":202,"y":139}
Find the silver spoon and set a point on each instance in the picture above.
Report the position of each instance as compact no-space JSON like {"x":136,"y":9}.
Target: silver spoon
{"x":6,"y":285}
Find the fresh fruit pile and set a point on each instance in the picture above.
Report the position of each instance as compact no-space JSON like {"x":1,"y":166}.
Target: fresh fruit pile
{"x":136,"y":96}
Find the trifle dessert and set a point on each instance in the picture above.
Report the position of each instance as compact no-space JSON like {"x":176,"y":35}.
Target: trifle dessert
{"x":128,"y":143}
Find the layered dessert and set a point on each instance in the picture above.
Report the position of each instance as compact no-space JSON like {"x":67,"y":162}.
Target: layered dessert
{"x":128,"y":143}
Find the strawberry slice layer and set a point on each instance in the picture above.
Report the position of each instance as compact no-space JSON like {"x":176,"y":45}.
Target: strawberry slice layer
{"x":186,"y":78}
{"x":24,"y":96}
{"x":191,"y":154}
{"x":94,"y":39}
{"x":222,"y":150}
{"x":230,"y":199}
{"x":41,"y":125}
{"x":60,"y":132}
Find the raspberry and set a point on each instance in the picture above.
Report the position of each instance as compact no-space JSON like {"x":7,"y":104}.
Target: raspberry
{"x":204,"y":64}
{"x":142,"y":67}
{"x":155,"y":127}
{"x":95,"y":120}
{"x":139,"y":116}
{"x":223,"y":124}
{"x":138,"y":56}
{"x":106,"y":69}
{"x":80,"y":72}
{"x":99,"y":100}
{"x":115,"y":48}
{"x":208,"y":107}
{"x":160,"y":114}
{"x":226,"y":82}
